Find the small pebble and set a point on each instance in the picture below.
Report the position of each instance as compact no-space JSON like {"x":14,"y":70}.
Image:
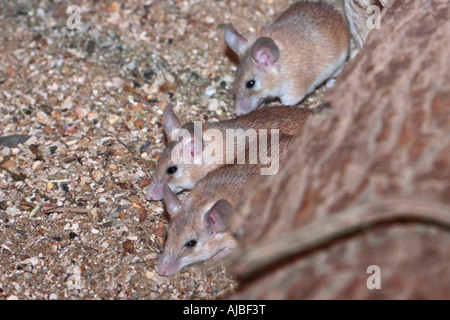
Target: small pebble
{"x":72,"y":235}
{"x":213,"y":105}
{"x":90,"y":47}
{"x":81,"y":112}
{"x":112,"y":119}
{"x":209,"y":91}
{"x":12,"y":211}
{"x":67,"y":104}
{"x":204,"y":100}
{"x":210,"y":20}
{"x":128,"y":246}
{"x":97,"y":175}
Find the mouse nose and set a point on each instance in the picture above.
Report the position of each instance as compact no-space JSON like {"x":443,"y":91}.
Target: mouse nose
{"x":167,"y":266}
{"x":154,"y":192}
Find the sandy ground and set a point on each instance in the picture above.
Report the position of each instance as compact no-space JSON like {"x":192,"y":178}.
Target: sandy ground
{"x":74,"y":222}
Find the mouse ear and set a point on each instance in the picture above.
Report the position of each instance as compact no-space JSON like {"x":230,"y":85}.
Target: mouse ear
{"x":195,"y":138}
{"x":265,"y":52}
{"x":234,"y":40}
{"x":171,"y":122}
{"x":173,"y":204}
{"x":217,"y":217}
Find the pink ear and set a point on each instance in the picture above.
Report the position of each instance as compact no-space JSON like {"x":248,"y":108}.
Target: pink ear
{"x":195,"y":139}
{"x":234,"y":40}
{"x":171,"y":122}
{"x":188,"y":146}
{"x":265,"y":52}
{"x":173,"y":204}
{"x":217,"y":217}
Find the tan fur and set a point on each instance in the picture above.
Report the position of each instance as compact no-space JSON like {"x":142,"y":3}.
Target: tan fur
{"x":288,"y":120}
{"x":313,"y":40}
{"x":186,"y":224}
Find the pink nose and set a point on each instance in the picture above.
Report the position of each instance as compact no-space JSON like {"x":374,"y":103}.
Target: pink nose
{"x":154,"y":192}
{"x":167,"y":266}
{"x":161,"y":271}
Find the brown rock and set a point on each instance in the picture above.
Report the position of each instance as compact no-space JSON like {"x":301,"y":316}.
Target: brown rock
{"x":128,"y":246}
{"x":376,"y":158}
{"x":142,"y":215}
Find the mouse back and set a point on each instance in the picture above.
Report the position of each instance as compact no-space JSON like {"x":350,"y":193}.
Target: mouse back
{"x":183,"y":176}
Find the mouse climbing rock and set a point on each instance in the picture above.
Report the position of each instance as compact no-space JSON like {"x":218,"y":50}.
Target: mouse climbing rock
{"x":180,"y":176}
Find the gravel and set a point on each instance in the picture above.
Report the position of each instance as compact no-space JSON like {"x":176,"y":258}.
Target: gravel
{"x":84,"y":109}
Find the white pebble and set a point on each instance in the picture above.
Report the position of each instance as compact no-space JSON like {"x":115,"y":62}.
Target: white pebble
{"x":112,"y":119}
{"x":213,"y":105}
{"x":169,"y":77}
{"x":5,"y":151}
{"x":34,"y":260}
{"x":12,"y":211}
{"x":210,"y":91}
{"x":204,"y":100}
{"x":228,"y":78}
{"x":210,"y":20}
{"x":67,"y":104}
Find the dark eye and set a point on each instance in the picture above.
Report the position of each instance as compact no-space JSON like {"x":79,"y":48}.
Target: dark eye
{"x":171,"y":169}
{"x":250,"y":84}
{"x":190,"y":243}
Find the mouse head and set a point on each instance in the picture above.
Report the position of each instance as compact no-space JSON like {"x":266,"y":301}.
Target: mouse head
{"x":198,"y":231}
{"x":171,"y":167}
{"x":257,"y":76}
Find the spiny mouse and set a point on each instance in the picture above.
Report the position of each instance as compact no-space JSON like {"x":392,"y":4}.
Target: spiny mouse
{"x":306,"y":45}
{"x":180,"y":175}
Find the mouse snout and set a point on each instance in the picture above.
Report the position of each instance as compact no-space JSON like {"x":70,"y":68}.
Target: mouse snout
{"x":244,"y":106}
{"x":167,"y":266}
{"x":154,"y":192}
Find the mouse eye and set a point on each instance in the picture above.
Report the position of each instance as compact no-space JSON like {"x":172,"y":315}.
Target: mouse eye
{"x":171,"y":169}
{"x":190,"y":244}
{"x":250,"y":84}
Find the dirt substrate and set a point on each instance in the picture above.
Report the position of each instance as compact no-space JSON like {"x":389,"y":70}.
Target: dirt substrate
{"x":74,"y":222}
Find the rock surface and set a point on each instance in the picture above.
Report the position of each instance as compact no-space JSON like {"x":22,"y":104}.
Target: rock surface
{"x":367,"y":182}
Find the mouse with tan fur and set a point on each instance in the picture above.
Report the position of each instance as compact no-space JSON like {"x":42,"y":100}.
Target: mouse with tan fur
{"x":180,"y":175}
{"x":305,"y":46}
{"x":199,"y":226}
